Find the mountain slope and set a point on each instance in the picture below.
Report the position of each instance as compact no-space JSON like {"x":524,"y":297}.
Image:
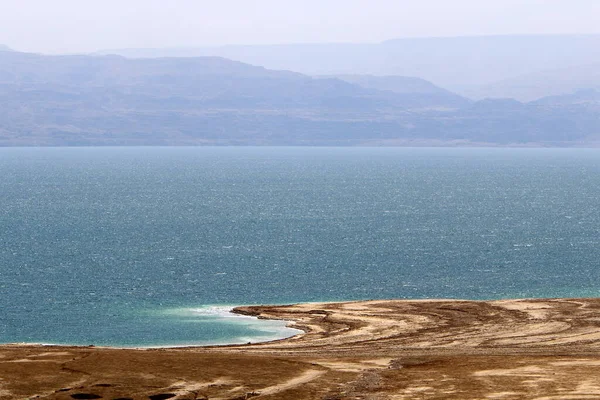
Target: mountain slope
{"x":549,"y":82}
{"x":416,"y":88}
{"x":85,"y":100}
{"x":394,"y":83}
{"x":450,"y":62}
{"x":206,"y":82}
{"x":583,"y":96}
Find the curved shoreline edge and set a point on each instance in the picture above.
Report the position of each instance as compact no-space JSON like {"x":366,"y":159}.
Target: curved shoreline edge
{"x":448,"y":325}
{"x":277,"y":330}
{"x":529,"y":322}
{"x":379,"y":349}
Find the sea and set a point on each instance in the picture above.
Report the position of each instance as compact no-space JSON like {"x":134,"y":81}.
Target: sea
{"x":152,"y":246}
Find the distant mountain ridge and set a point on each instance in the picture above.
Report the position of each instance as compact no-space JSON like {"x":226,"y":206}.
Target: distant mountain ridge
{"x":204,"y":81}
{"x":544,"y":83}
{"x":583,"y":96}
{"x":409,"y":86}
{"x":394,"y":83}
{"x":116,"y":70}
{"x":112,"y":100}
{"x":451,"y":62}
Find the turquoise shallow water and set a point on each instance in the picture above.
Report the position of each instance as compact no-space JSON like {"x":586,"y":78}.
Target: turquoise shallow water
{"x":142,"y":246}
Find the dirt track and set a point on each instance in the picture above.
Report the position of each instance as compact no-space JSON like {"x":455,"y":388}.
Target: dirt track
{"x":527,"y":349}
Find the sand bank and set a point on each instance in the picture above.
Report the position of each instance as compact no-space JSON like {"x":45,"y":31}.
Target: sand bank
{"x":442,"y":349}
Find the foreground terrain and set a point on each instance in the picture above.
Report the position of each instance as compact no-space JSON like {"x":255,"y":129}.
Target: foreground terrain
{"x":442,"y":349}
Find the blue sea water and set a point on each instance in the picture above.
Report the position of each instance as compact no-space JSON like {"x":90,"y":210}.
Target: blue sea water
{"x":150,"y":246}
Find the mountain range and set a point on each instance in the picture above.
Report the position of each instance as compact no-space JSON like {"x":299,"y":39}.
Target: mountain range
{"x":473,"y":66}
{"x":549,"y":82}
{"x":113,"y":100}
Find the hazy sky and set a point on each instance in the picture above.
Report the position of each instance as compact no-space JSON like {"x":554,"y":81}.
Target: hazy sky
{"x":56,"y":26}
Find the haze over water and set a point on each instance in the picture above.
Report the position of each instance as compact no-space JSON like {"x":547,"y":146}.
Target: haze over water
{"x":135,"y":246}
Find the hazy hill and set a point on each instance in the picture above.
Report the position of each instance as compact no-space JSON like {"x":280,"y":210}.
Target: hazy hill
{"x":549,"y":82}
{"x":202,"y":81}
{"x":457,"y":62}
{"x":4,"y":48}
{"x":111,"y":100}
{"x":16,"y":67}
{"x":415,"y":88}
{"x":583,"y":96}
{"x":394,"y":83}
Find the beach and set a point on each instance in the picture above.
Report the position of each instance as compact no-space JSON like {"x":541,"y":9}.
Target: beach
{"x":393,"y":349}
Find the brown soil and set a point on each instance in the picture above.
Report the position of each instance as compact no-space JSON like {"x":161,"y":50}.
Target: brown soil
{"x":443,"y":349}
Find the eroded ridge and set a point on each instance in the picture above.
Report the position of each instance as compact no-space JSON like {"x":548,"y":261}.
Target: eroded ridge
{"x":440,"y":324}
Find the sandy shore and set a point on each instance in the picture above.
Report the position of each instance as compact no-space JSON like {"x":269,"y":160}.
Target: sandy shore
{"x":442,"y":349}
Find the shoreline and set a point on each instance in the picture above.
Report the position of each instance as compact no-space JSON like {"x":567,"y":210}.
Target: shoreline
{"x":235,"y":311}
{"x":228,"y":313}
{"x":384,"y":349}
{"x":301,"y":317}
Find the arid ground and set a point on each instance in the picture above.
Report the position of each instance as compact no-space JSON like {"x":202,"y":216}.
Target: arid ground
{"x":442,"y":349}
